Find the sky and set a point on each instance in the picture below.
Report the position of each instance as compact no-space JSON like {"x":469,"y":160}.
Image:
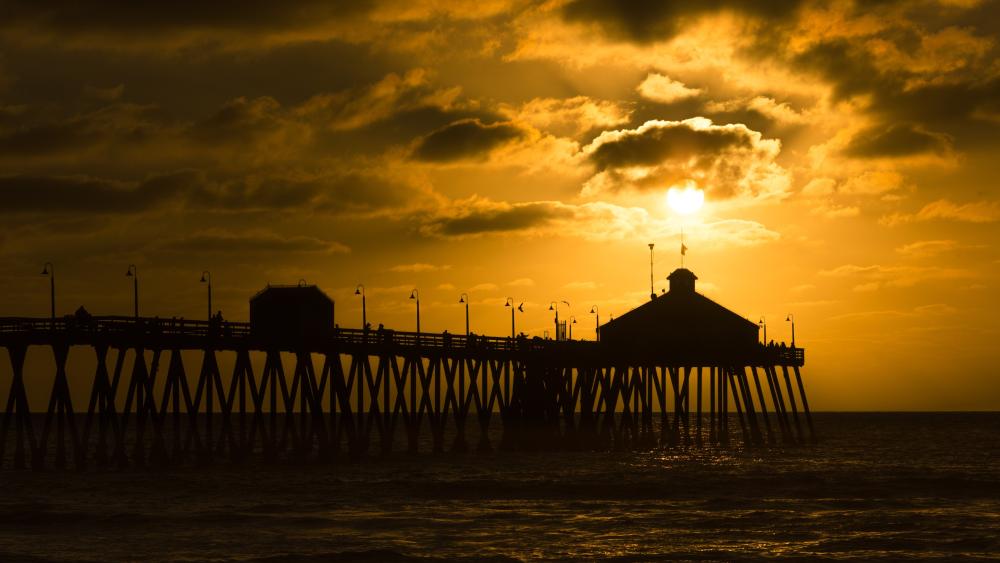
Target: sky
{"x":847,"y":152}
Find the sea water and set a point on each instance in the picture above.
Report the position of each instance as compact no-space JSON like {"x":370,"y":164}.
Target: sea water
{"x":876,"y":486}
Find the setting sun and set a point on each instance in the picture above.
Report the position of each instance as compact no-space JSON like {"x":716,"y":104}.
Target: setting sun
{"x":686,"y":200}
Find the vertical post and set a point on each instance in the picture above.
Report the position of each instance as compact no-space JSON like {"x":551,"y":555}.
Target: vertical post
{"x":556,"y":333}
{"x":510,"y":303}
{"x":697,"y":420}
{"x":133,"y":273}
{"x":732,"y":380}
{"x":360,"y":290}
{"x":723,"y":406}
{"x":50,"y":270}
{"x":805,"y":403}
{"x":466,"y":318}
{"x":652,"y":292}
{"x":763,"y":405}
{"x":711,"y":405}
{"x":415,"y":295}
{"x":778,"y":401}
{"x":791,"y":400}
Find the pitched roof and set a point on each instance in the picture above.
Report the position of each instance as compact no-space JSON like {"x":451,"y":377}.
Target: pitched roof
{"x":680,"y":306}
{"x":286,"y":291}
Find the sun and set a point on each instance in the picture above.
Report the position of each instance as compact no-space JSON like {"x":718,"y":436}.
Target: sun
{"x":686,"y":200}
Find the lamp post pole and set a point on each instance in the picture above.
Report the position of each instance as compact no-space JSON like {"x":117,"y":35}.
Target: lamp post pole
{"x":791,"y":318}
{"x":360,"y":290}
{"x":133,"y":273}
{"x":415,"y":295}
{"x":206,"y":277}
{"x":597,"y":323}
{"x":763,"y":325}
{"x":464,"y":298}
{"x":554,"y":306}
{"x":49,"y":270}
{"x":510,"y":303}
{"x":572,"y":321}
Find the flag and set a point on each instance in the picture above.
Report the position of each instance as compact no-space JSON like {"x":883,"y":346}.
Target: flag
{"x":684,"y":249}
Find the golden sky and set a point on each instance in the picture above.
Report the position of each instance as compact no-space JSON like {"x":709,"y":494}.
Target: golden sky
{"x":848,"y":153}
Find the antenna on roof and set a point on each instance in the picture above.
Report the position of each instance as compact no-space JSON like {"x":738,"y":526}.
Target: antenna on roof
{"x":652,"y":292}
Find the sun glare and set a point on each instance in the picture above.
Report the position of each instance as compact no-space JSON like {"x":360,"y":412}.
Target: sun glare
{"x":685,"y":200}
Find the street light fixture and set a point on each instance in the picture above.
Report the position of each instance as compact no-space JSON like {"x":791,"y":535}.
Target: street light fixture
{"x":510,"y":303}
{"x":464,"y":298}
{"x":49,"y":270}
{"x":763,"y":324}
{"x":360,"y":290}
{"x":597,"y":322}
{"x":572,"y":321}
{"x":415,"y":295}
{"x":133,"y":273}
{"x":206,"y":277}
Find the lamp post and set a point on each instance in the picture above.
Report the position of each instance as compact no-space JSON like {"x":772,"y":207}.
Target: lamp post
{"x":554,"y":306}
{"x":206,"y":277}
{"x":597,"y":323}
{"x":572,"y":321}
{"x":510,"y":303}
{"x":791,"y":318}
{"x":763,"y":324}
{"x":415,"y":295}
{"x":464,"y":298}
{"x":360,"y":290}
{"x":133,"y":273}
{"x":49,"y":270}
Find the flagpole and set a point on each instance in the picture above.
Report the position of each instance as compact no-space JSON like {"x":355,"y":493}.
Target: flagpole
{"x":652,"y":292}
{"x":682,"y":246}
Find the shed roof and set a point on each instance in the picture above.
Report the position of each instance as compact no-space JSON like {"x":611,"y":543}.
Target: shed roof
{"x":292,"y":291}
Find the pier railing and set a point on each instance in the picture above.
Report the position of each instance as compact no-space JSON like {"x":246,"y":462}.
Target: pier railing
{"x":234,"y":335}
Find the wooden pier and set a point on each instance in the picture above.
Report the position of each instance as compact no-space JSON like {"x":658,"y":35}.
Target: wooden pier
{"x":376,"y":392}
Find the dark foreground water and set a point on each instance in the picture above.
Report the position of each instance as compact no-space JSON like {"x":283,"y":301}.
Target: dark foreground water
{"x":878,"y":486}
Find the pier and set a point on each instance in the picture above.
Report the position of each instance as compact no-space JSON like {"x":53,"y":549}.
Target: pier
{"x":680,"y":371}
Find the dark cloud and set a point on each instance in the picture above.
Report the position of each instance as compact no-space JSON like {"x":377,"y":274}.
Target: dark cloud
{"x":948,"y":102}
{"x":725,"y":160}
{"x":33,"y":133}
{"x":240,"y":120}
{"x":844,"y":64}
{"x":190,"y":85}
{"x":657,"y":20}
{"x":493,"y":217}
{"x":342,"y":193}
{"x":656,"y":142}
{"x":897,"y":140}
{"x":40,"y":194}
{"x":467,"y":139}
{"x":253,"y":242}
{"x":132,"y":18}
{"x":351,"y":193}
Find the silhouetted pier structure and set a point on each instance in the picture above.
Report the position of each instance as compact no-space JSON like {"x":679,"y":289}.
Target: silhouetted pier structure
{"x":379,"y":390}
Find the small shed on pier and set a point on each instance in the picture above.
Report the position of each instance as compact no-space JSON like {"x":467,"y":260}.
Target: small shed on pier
{"x":682,"y":323}
{"x":290,"y":314}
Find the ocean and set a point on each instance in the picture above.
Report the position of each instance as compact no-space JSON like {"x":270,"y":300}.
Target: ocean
{"x":876,"y":487}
